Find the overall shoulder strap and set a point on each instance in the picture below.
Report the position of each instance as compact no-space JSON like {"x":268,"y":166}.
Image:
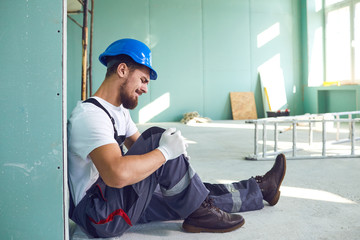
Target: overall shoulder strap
{"x":96,"y":102}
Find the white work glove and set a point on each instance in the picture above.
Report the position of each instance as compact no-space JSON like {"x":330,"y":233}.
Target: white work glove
{"x":172,"y":144}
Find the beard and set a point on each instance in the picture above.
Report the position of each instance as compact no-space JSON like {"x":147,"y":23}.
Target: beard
{"x":127,"y":100}
{"x":129,"y":103}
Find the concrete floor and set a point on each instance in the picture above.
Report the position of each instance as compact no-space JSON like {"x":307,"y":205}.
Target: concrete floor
{"x":320,"y":198}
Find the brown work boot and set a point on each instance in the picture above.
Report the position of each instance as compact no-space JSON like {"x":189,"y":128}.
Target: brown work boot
{"x":208,"y":218}
{"x":271,"y":181}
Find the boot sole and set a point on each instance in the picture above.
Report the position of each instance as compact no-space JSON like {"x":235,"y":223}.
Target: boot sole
{"x":194,"y":229}
{"x":276,"y":198}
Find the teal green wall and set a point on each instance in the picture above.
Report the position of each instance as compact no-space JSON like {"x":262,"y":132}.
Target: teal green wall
{"x":286,"y":46}
{"x":31,"y":149}
{"x":202,"y":50}
{"x":227,"y":54}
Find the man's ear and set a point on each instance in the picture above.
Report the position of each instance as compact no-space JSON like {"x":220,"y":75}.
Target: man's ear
{"x":122,"y":70}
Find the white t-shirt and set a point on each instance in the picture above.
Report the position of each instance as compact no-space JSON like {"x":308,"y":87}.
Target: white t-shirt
{"x":89,"y":127}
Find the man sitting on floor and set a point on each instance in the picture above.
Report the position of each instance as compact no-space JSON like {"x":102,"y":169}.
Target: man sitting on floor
{"x":153,"y":181}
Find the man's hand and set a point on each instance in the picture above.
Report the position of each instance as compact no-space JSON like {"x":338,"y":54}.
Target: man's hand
{"x":172,"y":144}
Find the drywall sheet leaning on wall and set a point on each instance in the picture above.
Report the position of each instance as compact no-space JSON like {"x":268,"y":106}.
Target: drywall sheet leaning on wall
{"x":243,"y":105}
{"x":32,"y":135}
{"x":273,"y":89}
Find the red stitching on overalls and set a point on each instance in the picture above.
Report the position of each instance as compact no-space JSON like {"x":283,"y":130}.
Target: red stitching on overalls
{"x":117,"y":212}
{"x":102,"y":195}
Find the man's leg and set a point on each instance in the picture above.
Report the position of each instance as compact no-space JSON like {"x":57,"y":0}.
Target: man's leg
{"x":183,"y":195}
{"x":181,"y":189}
{"x":239,"y":196}
{"x":109,"y":212}
{"x":158,"y":210}
{"x":235,"y":197}
{"x":248,"y":195}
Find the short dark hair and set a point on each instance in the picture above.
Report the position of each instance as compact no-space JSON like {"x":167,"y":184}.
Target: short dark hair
{"x":114,"y":61}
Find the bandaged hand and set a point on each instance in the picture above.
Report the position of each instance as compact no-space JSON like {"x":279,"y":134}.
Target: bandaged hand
{"x":172,"y":144}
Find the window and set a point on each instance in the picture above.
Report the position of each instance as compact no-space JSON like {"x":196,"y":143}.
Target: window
{"x":342,"y":40}
{"x":356,"y":42}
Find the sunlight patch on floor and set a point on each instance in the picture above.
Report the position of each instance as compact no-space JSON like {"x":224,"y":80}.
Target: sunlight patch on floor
{"x":313,"y":194}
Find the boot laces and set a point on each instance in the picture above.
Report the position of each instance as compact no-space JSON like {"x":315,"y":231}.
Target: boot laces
{"x":259,"y":179}
{"x":209,"y":203}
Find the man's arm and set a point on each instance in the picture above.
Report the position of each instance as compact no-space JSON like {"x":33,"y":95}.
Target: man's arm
{"x":129,"y":141}
{"x":120,"y":171}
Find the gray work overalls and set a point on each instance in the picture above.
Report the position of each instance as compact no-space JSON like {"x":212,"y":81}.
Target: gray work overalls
{"x":172,"y":192}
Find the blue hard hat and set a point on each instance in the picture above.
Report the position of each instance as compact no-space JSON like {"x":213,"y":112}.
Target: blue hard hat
{"x":137,"y":50}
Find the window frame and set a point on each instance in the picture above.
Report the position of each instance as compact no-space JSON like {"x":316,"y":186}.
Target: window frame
{"x":336,"y":6}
